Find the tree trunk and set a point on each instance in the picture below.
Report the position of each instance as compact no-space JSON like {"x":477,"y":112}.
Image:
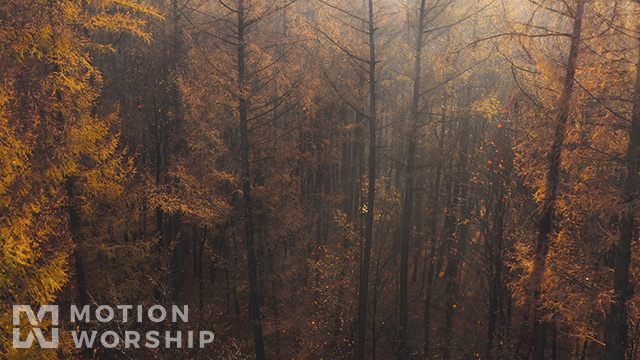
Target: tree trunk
{"x":552,"y":183}
{"x":368,"y":236}
{"x":74,"y":229}
{"x":252,"y":262}
{"x":406,"y":222}
{"x":177,"y":257}
{"x":432,"y":225}
{"x":503,"y":163}
{"x":456,"y":242}
{"x":616,"y":331}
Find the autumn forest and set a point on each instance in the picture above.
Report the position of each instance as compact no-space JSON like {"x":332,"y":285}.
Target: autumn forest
{"x":324,"y":179}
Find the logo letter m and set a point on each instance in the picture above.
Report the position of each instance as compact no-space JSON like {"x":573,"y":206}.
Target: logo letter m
{"x":35,"y":321}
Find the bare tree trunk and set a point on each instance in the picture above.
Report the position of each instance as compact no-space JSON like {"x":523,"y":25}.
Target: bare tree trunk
{"x":432,"y":225}
{"x":406,"y":222}
{"x":175,"y":220}
{"x":252,"y":262}
{"x":545,"y":224}
{"x":503,"y":161}
{"x":368,"y":236}
{"x":616,"y":331}
{"x":456,"y":242}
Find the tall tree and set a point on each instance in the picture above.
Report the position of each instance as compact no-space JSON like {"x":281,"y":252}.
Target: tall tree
{"x":616,"y":339}
{"x":408,"y":202}
{"x":367,"y":25}
{"x":252,"y":262}
{"x":552,"y":183}
{"x":57,"y":147}
{"x":254,"y":79}
{"x":365,"y":265}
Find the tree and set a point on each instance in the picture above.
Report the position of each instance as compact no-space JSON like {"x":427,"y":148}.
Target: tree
{"x":408,"y":202}
{"x":368,"y":24}
{"x":254,"y":80}
{"x":57,"y":148}
{"x":616,"y":330}
{"x":552,"y":182}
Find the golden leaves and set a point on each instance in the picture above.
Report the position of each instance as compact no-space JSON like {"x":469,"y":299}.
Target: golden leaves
{"x":49,"y":133}
{"x":488,"y":106}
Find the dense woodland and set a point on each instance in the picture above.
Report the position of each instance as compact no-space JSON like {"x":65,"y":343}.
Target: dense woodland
{"x":327,"y":179}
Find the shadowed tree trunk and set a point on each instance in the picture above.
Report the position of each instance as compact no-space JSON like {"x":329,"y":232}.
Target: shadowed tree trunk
{"x":371,"y":195}
{"x":175,"y":220}
{"x":408,"y":202}
{"x":434,"y":200}
{"x":456,"y":239}
{"x":74,"y":229}
{"x":252,"y":262}
{"x":616,"y":332}
{"x":502,"y":167}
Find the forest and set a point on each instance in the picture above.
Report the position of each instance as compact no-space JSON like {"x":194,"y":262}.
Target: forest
{"x":323,"y":179}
